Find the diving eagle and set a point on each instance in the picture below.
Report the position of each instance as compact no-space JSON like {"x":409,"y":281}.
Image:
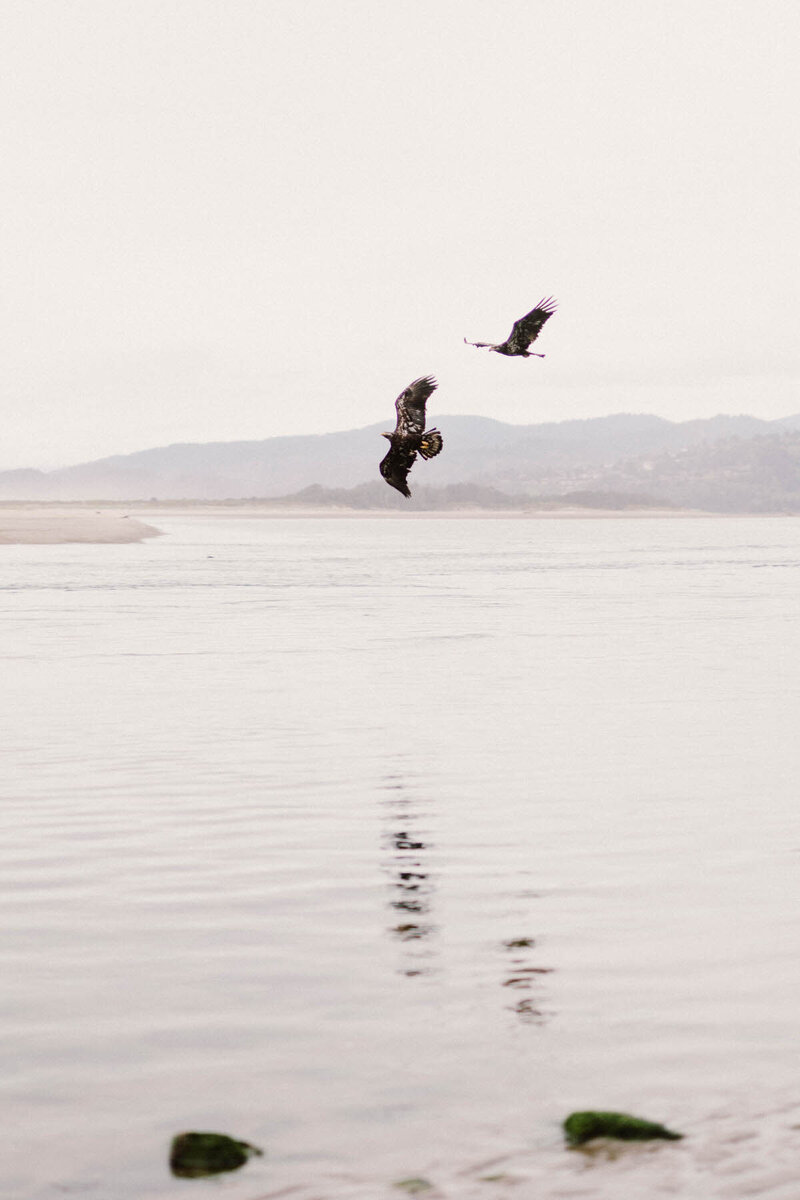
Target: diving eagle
{"x":410,"y":434}
{"x":525,"y":331}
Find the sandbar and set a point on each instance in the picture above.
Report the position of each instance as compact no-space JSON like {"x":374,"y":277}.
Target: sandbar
{"x":52,"y":525}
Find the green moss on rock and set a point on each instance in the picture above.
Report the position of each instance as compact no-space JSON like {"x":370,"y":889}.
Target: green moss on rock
{"x":581,"y":1127}
{"x":193,"y":1155}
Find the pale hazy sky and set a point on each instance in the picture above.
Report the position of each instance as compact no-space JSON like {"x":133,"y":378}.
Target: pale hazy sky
{"x":231,"y":219}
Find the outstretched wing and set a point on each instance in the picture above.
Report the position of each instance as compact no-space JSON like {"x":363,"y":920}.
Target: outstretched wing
{"x":396,"y":465}
{"x":410,"y":405}
{"x":528,"y":328}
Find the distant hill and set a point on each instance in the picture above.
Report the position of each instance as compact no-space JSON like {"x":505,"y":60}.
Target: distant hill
{"x":371,"y":497}
{"x":737,"y":463}
{"x":734,"y":474}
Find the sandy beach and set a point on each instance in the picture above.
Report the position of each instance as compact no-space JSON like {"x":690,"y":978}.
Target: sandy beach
{"x":52,"y":525}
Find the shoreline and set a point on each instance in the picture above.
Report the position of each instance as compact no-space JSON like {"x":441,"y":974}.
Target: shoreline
{"x":488,"y":514}
{"x":48,"y":522}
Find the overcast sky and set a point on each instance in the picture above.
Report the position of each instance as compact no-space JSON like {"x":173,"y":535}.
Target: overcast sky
{"x":230,"y":219}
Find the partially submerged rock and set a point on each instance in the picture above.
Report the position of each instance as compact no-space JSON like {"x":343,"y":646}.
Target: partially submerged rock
{"x":193,"y":1155}
{"x":581,"y":1127}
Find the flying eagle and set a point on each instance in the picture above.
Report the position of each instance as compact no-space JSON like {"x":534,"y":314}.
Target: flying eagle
{"x":410,"y":434}
{"x":525,"y":331}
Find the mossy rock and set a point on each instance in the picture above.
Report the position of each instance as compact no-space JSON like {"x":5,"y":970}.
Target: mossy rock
{"x":193,"y":1155}
{"x":414,"y":1186}
{"x":581,"y":1127}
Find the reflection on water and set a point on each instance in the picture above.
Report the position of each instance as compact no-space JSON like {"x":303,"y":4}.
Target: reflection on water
{"x":524,"y":975}
{"x":412,"y":890}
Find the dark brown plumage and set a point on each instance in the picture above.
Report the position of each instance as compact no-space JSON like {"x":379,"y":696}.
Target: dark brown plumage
{"x":410,"y":435}
{"x":524,"y":331}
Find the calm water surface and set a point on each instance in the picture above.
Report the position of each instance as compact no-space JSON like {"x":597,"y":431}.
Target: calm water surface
{"x":384,"y":844}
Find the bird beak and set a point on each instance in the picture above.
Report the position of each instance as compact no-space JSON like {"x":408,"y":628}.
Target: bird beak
{"x":387,"y":435}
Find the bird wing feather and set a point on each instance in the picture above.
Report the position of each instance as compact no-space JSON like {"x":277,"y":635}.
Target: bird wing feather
{"x":528,"y":328}
{"x":410,"y":405}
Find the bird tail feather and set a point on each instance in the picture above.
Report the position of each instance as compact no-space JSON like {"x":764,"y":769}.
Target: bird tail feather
{"x":431,"y":443}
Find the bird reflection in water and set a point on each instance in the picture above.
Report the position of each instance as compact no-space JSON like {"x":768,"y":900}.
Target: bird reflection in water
{"x":412,"y":889}
{"x":522,"y":975}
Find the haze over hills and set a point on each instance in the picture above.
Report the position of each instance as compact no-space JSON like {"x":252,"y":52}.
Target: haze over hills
{"x":726,"y":463}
